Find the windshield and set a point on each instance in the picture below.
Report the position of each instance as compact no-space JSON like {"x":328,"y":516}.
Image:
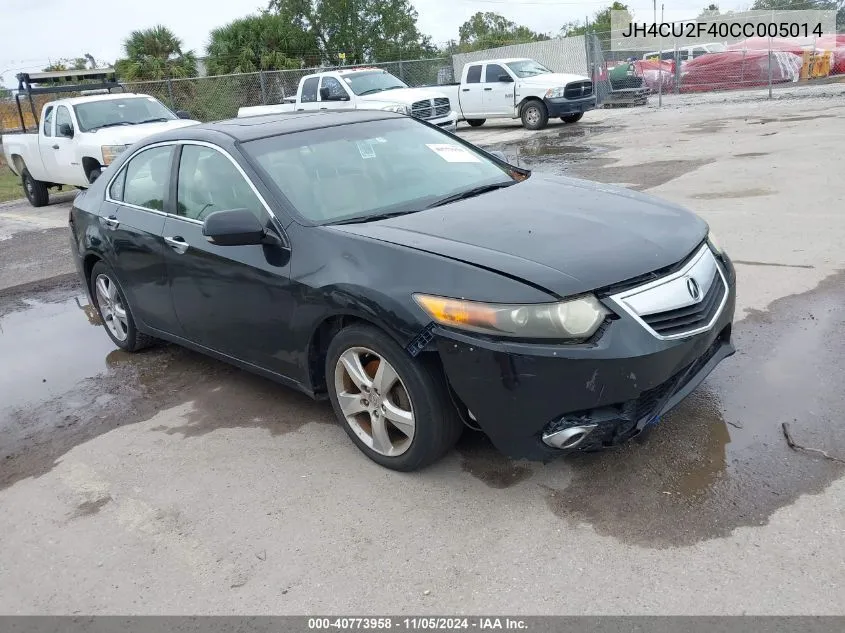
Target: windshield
{"x":367,"y":169}
{"x":527,"y":68}
{"x":372,"y":82}
{"x":129,"y":111}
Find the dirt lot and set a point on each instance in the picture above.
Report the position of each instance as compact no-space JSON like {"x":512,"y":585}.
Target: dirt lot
{"x":164,"y":482}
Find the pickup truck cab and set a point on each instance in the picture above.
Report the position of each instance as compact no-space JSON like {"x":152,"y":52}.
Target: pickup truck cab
{"x":519,"y":88}
{"x":78,"y":138}
{"x":363,"y":89}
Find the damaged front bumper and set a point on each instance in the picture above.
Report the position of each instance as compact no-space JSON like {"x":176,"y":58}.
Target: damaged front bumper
{"x":614,"y":388}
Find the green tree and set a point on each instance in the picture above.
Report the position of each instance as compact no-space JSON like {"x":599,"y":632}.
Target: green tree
{"x":600,"y":24}
{"x":710,"y":11}
{"x":267,"y":41}
{"x":87,"y":61}
{"x":490,"y":30}
{"x":817,"y":5}
{"x":358,"y":31}
{"x":155,"y":53}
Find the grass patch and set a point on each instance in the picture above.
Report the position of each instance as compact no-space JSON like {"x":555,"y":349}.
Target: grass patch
{"x":10,"y":185}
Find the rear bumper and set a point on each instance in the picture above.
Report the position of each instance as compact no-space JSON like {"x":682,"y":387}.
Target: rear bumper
{"x":560,"y":107}
{"x":621,"y":383}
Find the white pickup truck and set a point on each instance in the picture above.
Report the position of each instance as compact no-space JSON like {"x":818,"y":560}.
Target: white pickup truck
{"x":77,"y":138}
{"x":519,"y":88}
{"x":363,"y":89}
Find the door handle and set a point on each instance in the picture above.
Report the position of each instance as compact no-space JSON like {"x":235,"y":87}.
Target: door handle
{"x":177,"y":243}
{"x":488,"y":89}
{"x":55,"y":147}
{"x":465,"y":89}
{"x":323,"y":108}
{"x":111,"y":222}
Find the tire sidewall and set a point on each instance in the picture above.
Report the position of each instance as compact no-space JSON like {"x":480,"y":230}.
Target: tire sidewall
{"x":430,"y":412}
{"x":542,"y":112}
{"x":29,"y":191}
{"x":130,"y":343}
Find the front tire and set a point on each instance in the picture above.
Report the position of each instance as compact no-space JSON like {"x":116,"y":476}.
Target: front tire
{"x":535,"y":115}
{"x":35,"y":190}
{"x":572,"y":118}
{"x":114,"y":310}
{"x":396,"y":409}
{"x":476,"y":122}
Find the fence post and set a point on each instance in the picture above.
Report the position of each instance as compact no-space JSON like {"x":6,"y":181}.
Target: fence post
{"x":263,"y":83}
{"x":402,"y":71}
{"x":770,"y":68}
{"x":170,"y":93}
{"x":677,"y":58}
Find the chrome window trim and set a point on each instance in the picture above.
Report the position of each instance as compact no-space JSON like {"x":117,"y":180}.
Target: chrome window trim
{"x":186,"y":142}
{"x":619,"y":298}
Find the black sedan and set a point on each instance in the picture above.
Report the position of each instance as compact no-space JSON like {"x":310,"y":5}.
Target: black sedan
{"x":418,"y":282}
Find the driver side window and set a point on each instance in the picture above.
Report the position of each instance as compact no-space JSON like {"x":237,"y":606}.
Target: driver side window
{"x":209,"y":182}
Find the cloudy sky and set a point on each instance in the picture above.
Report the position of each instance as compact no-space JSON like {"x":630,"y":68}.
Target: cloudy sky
{"x":52,"y":29}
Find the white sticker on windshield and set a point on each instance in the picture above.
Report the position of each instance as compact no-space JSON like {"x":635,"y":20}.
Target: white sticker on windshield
{"x":453,"y":153}
{"x":365,"y":149}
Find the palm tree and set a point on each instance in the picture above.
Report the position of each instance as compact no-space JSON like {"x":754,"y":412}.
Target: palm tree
{"x":155,"y":53}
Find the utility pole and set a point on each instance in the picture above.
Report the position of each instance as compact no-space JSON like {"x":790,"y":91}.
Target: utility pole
{"x":655,"y":10}
{"x":661,"y":11}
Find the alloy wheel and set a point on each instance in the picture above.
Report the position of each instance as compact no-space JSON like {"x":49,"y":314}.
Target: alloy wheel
{"x":374,"y":401}
{"x":111,"y":307}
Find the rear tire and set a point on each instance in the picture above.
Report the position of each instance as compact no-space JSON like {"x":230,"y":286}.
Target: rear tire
{"x":476,"y":122}
{"x":114,"y":310}
{"x":572,"y":118}
{"x":535,"y":115}
{"x":35,"y":190}
{"x":416,"y":397}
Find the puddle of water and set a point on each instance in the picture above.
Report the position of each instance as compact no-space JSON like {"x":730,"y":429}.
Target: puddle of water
{"x":752,"y":154}
{"x":483,"y":461}
{"x":644,"y":175}
{"x":46,"y":348}
{"x":741,"y":193}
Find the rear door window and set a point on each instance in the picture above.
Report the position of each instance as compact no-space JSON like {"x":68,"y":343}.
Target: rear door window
{"x":474,"y":74}
{"x":148,"y":177}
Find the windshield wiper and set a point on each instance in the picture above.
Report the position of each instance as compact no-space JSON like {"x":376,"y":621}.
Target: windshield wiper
{"x":372,"y":218}
{"x":370,"y":91}
{"x":114,"y":124}
{"x":470,"y":193}
{"x":156,"y":120}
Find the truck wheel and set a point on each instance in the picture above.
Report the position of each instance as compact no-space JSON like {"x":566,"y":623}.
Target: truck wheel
{"x":535,"y":116}
{"x":94,"y":174}
{"x":572,"y":118}
{"x":476,"y":122}
{"x":395,"y":408}
{"x":35,"y":190}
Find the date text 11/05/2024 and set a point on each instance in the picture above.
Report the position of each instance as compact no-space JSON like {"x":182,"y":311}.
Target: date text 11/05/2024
{"x":418,"y":623}
{"x":723,"y":29}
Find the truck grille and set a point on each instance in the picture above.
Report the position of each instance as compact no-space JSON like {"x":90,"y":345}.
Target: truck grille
{"x":431,"y":108}
{"x":682,"y":303}
{"x":578,"y":89}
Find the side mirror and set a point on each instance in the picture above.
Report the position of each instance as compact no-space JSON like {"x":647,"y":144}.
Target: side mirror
{"x":324,"y":94}
{"x":507,"y":79}
{"x":183,"y":114}
{"x":233,"y":227}
{"x":65,"y":130}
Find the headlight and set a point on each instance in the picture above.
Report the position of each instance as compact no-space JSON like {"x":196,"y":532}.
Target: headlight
{"x":110,"y":152}
{"x":555,"y":93}
{"x":714,"y":243}
{"x":401,"y":109}
{"x":572,"y":319}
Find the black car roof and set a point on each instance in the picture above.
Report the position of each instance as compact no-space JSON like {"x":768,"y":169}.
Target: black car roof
{"x":254,"y":127}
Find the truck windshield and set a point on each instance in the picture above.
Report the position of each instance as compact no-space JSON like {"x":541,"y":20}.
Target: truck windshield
{"x":363,"y":171}
{"x":94,"y":115}
{"x":527,"y":68}
{"x":371,"y":82}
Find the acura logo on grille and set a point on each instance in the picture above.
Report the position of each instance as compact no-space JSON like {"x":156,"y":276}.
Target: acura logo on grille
{"x":694,"y":290}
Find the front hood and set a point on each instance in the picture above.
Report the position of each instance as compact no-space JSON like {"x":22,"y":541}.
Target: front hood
{"x":405,"y":96}
{"x":564,"y":235}
{"x":129,"y":134}
{"x":553,"y":80}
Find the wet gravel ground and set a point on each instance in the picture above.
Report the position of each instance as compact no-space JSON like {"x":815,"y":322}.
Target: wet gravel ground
{"x":167,"y":482}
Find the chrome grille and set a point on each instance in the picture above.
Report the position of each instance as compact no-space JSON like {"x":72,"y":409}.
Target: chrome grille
{"x":431,"y":108}
{"x":681,"y":304}
{"x":578,"y":89}
{"x":422,"y":109}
